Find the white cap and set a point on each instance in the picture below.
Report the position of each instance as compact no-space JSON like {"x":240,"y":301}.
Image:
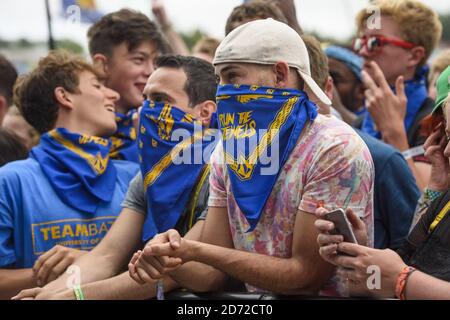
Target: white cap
{"x":268,"y":42}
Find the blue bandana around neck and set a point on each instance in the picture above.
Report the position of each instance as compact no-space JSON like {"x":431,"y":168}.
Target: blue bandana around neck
{"x":77,"y":166}
{"x":124,"y":140}
{"x":170,"y":164}
{"x":416,"y":93}
{"x":245,"y":110}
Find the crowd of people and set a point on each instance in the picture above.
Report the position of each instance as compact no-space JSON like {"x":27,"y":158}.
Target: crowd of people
{"x":153,"y":168}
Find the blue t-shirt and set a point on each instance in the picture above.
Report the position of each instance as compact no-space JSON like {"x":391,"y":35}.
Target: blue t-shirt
{"x":396,"y":194}
{"x":33,"y":219}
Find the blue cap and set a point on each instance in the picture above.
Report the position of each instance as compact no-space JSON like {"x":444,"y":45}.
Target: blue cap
{"x":351,"y":60}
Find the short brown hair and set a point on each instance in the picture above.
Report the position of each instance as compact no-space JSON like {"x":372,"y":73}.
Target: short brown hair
{"x":8,"y":76}
{"x":124,"y":26}
{"x":34,"y":93}
{"x":200,"y":83}
{"x":318,"y":61}
{"x":418,"y":23}
{"x":11,"y":147}
{"x":254,"y":10}
{"x":34,"y":135}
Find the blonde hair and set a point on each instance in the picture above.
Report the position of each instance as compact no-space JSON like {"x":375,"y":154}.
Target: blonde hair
{"x":441,"y":63}
{"x":446,"y":101}
{"x":254,"y":10}
{"x":418,"y":23}
{"x":206,"y":45}
{"x":13,"y":111}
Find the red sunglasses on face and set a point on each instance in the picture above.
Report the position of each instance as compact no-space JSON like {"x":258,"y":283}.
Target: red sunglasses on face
{"x":375,"y":43}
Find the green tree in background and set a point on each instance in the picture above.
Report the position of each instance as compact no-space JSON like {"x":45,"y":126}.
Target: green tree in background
{"x":192,"y":38}
{"x":70,"y":46}
{"x":66,"y":44}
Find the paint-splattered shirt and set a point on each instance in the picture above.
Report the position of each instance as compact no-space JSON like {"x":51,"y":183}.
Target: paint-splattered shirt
{"x":330,"y":164}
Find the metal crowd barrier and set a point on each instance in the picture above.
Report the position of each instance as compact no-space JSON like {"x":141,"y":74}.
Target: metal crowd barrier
{"x":185,"y":295}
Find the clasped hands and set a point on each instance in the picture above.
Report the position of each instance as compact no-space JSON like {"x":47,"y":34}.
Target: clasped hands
{"x":162,"y":255}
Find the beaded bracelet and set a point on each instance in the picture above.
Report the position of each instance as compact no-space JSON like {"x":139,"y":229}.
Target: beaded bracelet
{"x":402,"y":278}
{"x":432,"y":195}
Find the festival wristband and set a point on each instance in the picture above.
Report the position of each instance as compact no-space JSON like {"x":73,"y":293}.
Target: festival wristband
{"x":400,"y":287}
{"x":78,"y":292}
{"x":413,"y":152}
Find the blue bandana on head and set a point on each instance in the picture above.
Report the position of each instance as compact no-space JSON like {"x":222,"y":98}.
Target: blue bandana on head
{"x":124,"y":145}
{"x":349,"y":58}
{"x":173,"y":150}
{"x":256,"y":121}
{"x":77,"y":167}
{"x":416,"y":93}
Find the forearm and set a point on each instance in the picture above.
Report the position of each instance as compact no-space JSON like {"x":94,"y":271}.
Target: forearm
{"x":92,"y":267}
{"x":122,"y":287}
{"x":285,"y":276}
{"x":175,"y":40}
{"x":290,"y":12}
{"x":421,"y":286}
{"x":396,"y":137}
{"x":14,"y":281}
{"x":199,"y":277}
{"x":421,"y":181}
{"x":399,"y":140}
{"x":293,"y":23}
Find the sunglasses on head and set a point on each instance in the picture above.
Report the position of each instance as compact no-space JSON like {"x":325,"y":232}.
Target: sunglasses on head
{"x":375,"y":43}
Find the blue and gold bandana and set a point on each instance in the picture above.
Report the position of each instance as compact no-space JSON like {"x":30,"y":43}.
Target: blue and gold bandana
{"x":124,"y":145}
{"x":173,"y":150}
{"x":259,"y":125}
{"x":77,"y":167}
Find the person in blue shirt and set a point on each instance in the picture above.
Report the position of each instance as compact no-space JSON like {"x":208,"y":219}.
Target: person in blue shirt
{"x":396,"y":194}
{"x":395,"y":190}
{"x":188,"y":85}
{"x":394,"y":75}
{"x":64,"y":198}
{"x":123,"y":46}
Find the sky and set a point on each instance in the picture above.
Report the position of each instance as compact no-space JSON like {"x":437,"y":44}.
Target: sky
{"x":27,"y":19}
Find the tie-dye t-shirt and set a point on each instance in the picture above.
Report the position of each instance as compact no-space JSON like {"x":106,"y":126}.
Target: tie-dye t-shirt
{"x":330,"y":165}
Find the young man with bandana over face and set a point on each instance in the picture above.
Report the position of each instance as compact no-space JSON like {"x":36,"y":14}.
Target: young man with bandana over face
{"x":260,"y":223}
{"x":123,"y":46}
{"x":172,"y":190}
{"x":67,"y":194}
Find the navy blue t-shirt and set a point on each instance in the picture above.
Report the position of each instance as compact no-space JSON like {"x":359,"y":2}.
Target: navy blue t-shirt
{"x":396,"y":194}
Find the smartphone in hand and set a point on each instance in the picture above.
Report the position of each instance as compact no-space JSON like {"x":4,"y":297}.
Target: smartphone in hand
{"x":341,"y":225}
